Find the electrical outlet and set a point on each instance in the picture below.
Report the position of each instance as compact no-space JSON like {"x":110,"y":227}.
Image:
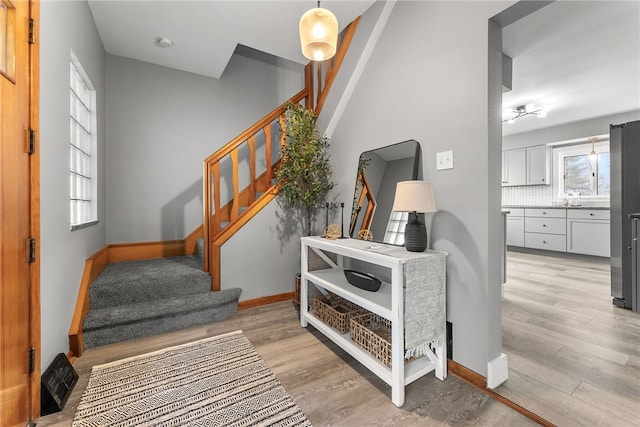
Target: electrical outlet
{"x":444,"y":160}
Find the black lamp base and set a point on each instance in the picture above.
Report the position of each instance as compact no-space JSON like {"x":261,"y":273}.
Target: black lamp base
{"x":415,"y":234}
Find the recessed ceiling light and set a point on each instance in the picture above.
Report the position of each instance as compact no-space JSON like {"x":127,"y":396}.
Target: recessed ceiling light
{"x":163,"y":42}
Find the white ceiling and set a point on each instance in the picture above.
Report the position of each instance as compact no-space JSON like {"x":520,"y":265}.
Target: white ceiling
{"x":579,"y":58}
{"x":205,"y":33}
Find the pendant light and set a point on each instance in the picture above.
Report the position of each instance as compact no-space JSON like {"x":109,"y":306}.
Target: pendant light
{"x":593,"y":156}
{"x":318,"y":34}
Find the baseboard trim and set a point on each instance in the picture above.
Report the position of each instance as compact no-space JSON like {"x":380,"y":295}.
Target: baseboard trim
{"x":257,"y":302}
{"x":478,"y":381}
{"x":119,"y":252}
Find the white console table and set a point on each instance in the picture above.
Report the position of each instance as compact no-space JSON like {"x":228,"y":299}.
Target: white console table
{"x":413,"y":320}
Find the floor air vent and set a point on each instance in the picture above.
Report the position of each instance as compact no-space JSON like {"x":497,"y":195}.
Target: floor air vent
{"x":56,"y":385}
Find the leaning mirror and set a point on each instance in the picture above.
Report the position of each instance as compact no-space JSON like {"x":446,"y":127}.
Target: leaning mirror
{"x":378,"y":173}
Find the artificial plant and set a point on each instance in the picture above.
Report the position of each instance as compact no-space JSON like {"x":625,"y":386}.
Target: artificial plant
{"x":304,"y":175}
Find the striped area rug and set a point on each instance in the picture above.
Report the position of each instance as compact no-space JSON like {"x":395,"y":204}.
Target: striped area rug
{"x":219,"y":381}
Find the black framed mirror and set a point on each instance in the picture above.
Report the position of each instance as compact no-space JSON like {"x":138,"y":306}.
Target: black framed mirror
{"x":378,"y":173}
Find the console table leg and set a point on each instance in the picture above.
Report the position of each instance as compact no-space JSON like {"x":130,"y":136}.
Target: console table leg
{"x":441,"y":368}
{"x":304,"y":286}
{"x":397,"y":394}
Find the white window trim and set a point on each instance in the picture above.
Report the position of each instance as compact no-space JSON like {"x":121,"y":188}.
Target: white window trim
{"x":560,"y":152}
{"x":93,"y":189}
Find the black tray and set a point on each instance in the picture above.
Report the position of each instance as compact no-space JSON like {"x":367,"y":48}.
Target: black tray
{"x":362,"y":280}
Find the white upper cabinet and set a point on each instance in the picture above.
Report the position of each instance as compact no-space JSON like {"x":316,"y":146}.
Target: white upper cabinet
{"x":525,"y":166}
{"x":514,"y":165}
{"x":537,"y":165}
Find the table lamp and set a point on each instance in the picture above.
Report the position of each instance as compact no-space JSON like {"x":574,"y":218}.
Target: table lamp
{"x":414,"y":197}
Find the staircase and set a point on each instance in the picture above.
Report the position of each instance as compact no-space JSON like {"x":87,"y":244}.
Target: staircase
{"x":135,"y":299}
{"x":228,"y":206}
{"x":123,"y":299}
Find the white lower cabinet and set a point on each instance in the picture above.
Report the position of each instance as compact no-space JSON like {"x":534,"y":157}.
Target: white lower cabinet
{"x":515,"y":227}
{"x":545,"y":229}
{"x":588,"y":232}
{"x":578,"y":231}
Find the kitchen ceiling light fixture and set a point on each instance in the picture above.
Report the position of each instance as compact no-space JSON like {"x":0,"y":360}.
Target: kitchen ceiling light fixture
{"x":525,"y":110}
{"x":318,"y":34}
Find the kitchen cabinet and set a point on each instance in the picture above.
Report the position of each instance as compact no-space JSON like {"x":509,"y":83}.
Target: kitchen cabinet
{"x":514,"y":165}
{"x":526,"y":166}
{"x":545,"y":229}
{"x":588,"y":232}
{"x":538,"y":165}
{"x":396,"y":301}
{"x":515,"y":227}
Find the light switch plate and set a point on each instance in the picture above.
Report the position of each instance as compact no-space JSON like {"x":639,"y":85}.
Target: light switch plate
{"x":444,"y":160}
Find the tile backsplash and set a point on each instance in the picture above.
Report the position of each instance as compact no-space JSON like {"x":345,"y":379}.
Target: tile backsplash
{"x":532,"y":195}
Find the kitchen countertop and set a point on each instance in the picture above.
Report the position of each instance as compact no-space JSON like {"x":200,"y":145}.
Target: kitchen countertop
{"x":557,"y":207}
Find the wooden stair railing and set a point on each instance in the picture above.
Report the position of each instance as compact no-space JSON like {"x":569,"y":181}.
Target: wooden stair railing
{"x":227,"y":205}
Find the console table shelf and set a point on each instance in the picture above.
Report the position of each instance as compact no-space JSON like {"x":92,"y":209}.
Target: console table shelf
{"x":388,"y":302}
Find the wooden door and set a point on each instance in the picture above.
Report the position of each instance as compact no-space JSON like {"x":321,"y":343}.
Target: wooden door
{"x":19,"y":214}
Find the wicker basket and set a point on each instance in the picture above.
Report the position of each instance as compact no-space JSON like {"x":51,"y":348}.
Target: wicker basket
{"x":373,"y":333}
{"x":336,"y":311}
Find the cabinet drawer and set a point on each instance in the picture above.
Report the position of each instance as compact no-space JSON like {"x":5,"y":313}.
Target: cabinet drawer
{"x":602,"y":214}
{"x":550,"y":242}
{"x":545,"y":225}
{"x":545,"y":213}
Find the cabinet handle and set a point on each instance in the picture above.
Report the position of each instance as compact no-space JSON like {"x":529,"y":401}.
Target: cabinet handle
{"x":542,"y":179}
{"x":544,"y":225}
{"x":591,"y":214}
{"x":544,"y":241}
{"x":544,"y":213}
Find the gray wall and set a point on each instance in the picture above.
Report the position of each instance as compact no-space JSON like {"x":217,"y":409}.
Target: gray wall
{"x":427,"y":80}
{"x":156,"y":126}
{"x":565,"y":132}
{"x":64,"y":25}
{"x":162,"y":123}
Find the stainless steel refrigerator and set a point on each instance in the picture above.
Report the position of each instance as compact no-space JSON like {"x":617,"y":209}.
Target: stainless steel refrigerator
{"x":624,"y":148}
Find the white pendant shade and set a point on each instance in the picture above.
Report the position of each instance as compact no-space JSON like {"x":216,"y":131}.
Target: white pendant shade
{"x":318,"y":34}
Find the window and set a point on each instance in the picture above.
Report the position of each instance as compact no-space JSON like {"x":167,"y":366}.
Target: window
{"x":82,"y":148}
{"x":582,"y":174}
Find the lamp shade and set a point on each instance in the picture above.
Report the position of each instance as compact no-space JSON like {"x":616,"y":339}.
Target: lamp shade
{"x":318,"y":34}
{"x":414,"y":196}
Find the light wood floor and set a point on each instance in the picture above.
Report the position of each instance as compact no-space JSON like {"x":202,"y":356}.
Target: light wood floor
{"x":328,"y":385}
{"x":574,"y":358}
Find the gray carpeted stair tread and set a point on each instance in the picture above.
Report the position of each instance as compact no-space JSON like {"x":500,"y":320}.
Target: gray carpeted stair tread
{"x":116,"y":324}
{"x":110,"y":316}
{"x":135,"y":299}
{"x":145,"y":280}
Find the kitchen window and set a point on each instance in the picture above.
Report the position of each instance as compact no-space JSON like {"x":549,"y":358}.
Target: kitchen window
{"x":581,"y":174}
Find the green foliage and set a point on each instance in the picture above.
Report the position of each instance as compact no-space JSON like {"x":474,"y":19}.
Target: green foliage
{"x":305,"y":173}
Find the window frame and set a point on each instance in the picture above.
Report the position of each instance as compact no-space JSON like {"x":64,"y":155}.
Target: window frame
{"x":576,"y":149}
{"x":85,"y":172}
